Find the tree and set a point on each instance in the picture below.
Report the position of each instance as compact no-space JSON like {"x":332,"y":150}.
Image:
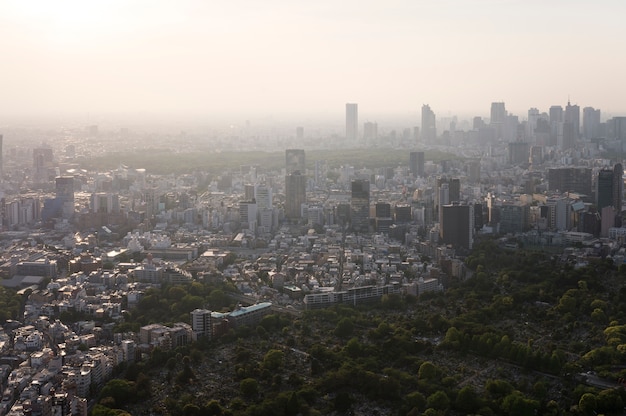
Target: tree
{"x":344,"y":328}
{"x":427,"y":371}
{"x":273,"y":360}
{"x":122,"y":391}
{"x":467,"y":400}
{"x":439,"y":400}
{"x":587,"y":403}
{"x":249,"y":387}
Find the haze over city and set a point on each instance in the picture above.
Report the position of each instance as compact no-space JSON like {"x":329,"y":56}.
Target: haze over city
{"x":304,"y":60}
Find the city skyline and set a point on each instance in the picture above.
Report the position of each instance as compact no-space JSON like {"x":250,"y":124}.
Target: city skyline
{"x":288,"y":60}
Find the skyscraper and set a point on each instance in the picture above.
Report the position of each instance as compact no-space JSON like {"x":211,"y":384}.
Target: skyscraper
{"x":570,"y":180}
{"x":295,"y":194}
{"x":429,"y":124}
{"x":618,"y":186}
{"x":65,"y":195}
{"x":456,"y":225}
{"x":498,"y":113}
{"x":1,"y":158}
{"x":416,"y":164}
{"x":352,"y":122}
{"x":556,"y":124}
{"x":370,"y":131}
{"x":591,"y":123}
{"x":360,"y":205}
{"x":295,"y":161}
{"x":572,"y":116}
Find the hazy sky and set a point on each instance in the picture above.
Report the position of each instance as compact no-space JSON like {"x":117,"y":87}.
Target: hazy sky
{"x":283,"y":58}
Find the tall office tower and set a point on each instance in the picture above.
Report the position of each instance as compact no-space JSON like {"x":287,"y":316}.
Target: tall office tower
{"x":570,"y":180}
{"x":454,"y":188}
{"x":249,"y":191}
{"x":498,"y":113}
{"x":456,"y":226}
{"x":518,"y":152}
{"x":429,"y":124}
{"x":591,"y":123}
{"x":352,"y":122}
{"x":473,"y":171}
{"x":531,"y":124}
{"x":295,"y":161}
{"x":65,"y":195}
{"x":1,"y":158}
{"x":151,"y":197}
{"x":604,"y":189}
{"x":536,"y":155}
{"x":370,"y":132}
{"x":618,"y":187}
{"x":263,"y":196}
{"x":556,"y":124}
{"x":498,"y":119}
{"x":248,"y":215}
{"x":42,"y":163}
{"x":572,"y":116}
{"x":360,"y":205}
{"x":299,"y":132}
{"x":616,"y":129}
{"x":569,"y":137}
{"x":295,"y":194}
{"x":416,"y":164}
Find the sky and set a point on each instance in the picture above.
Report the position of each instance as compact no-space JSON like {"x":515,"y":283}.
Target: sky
{"x":275,"y":58}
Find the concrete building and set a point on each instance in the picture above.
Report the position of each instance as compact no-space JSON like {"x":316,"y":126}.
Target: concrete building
{"x":295,"y":194}
{"x":457,"y":225}
{"x":352,"y":122}
{"x":429,"y":125}
{"x":360,"y":205}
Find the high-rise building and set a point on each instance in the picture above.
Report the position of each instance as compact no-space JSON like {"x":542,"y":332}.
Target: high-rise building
{"x":295,"y":161}
{"x":556,"y":124}
{"x":42,"y":164}
{"x":370,"y":131}
{"x":299,"y":132}
{"x":248,"y":214}
{"x":1,"y":157}
{"x":473,"y":171}
{"x":498,"y":113}
{"x":618,"y":187}
{"x":518,"y":152}
{"x":295,"y":194}
{"x":604,"y":189}
{"x":416,"y":164}
{"x":360,"y":205}
{"x":352,"y":122}
{"x":65,"y":195}
{"x":263,"y":196}
{"x":572,"y":116}
{"x":570,"y":180}
{"x":591,"y":123}
{"x":498,"y":119}
{"x":457,"y":225}
{"x":429,"y":124}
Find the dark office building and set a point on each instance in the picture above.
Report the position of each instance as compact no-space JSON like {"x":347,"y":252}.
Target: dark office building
{"x":295,"y":194}
{"x":456,"y":225}
{"x":403,"y":213}
{"x":518,"y":152}
{"x":416,"y":164}
{"x":360,"y":205}
{"x":570,"y":180}
{"x":609,"y":188}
